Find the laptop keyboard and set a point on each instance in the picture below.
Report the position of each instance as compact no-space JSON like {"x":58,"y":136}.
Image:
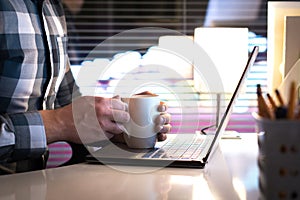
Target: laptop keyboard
{"x":179,"y":148}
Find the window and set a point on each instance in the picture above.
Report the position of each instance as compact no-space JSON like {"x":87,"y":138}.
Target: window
{"x":94,"y":21}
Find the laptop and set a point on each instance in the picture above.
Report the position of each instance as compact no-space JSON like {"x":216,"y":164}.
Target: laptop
{"x":189,"y":150}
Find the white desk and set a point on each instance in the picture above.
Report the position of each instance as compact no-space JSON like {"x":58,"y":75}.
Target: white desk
{"x":231,"y":174}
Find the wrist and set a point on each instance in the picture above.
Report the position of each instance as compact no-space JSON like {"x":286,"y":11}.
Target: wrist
{"x":54,"y":128}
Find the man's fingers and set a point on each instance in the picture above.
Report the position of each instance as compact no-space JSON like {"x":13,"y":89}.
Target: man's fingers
{"x":161,"y":136}
{"x":113,"y":128}
{"x":163,"y":119}
{"x":162,"y":107}
{"x":120,"y":116}
{"x":117,"y":104}
{"x":163,"y":129}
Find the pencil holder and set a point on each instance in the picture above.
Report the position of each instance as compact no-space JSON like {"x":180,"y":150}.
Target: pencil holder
{"x":279,"y":158}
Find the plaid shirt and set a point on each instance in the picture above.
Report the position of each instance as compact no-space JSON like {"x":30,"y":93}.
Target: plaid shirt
{"x":34,"y":74}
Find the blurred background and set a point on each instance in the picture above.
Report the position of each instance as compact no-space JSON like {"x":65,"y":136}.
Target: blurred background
{"x":91,"y":22}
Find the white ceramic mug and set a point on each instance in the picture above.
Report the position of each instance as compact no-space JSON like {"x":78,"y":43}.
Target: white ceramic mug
{"x":140,"y":130}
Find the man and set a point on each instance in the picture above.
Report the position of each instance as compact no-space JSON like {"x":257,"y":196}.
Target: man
{"x":38,"y":92}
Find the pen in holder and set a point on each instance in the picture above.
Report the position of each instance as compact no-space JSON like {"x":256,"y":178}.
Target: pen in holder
{"x":279,"y":158}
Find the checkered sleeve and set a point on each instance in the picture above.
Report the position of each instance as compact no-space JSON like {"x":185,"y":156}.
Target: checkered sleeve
{"x":68,"y":90}
{"x":29,"y":133}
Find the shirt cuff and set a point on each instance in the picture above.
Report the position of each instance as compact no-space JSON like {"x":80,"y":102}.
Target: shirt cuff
{"x":30,"y":136}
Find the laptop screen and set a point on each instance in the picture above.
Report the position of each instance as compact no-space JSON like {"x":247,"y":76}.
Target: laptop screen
{"x":224,"y":113}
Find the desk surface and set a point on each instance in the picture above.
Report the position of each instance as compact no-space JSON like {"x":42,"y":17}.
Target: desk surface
{"x":231,"y":174}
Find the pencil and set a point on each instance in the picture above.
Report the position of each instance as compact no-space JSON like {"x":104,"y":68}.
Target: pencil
{"x":292,"y":101}
{"x":272,"y":102}
{"x":281,"y":102}
{"x":280,"y":112}
{"x":263,"y":109}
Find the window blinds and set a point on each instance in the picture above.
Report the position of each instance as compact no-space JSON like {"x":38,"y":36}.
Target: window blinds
{"x":97,"y":20}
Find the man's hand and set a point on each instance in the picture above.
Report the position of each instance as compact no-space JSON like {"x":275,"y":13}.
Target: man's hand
{"x":91,"y":119}
{"x":162,"y":125}
{"x":88,"y":119}
{"x":163,"y":121}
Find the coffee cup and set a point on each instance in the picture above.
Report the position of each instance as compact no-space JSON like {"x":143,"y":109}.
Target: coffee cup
{"x":140,"y":131}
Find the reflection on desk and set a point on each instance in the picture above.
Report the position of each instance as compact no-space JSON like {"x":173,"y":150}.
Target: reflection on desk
{"x":231,"y":174}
